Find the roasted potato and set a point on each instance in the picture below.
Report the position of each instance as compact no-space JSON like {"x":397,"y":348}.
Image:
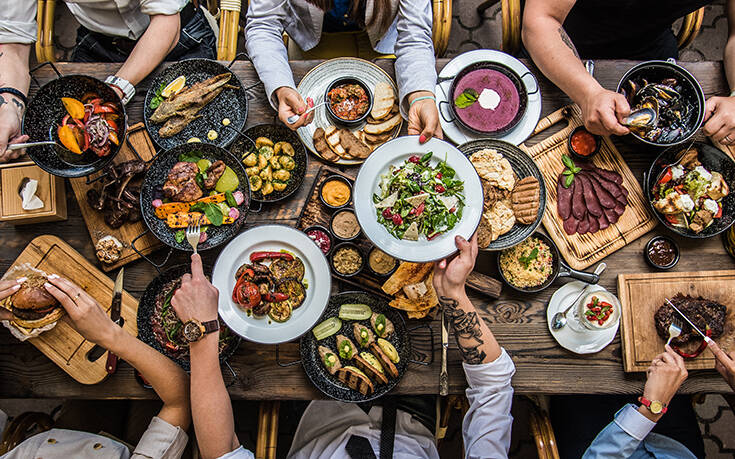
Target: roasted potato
{"x":250,"y":160}
{"x":274,"y":163}
{"x":284,"y":148}
{"x":279,"y":186}
{"x":282,"y":175}
{"x":255,"y":183}
{"x":263,"y":141}
{"x":267,"y":189}
{"x":262,"y":162}
{"x":251,"y":171}
{"x":287,"y":162}
{"x":266,"y":174}
{"x":266,"y":151}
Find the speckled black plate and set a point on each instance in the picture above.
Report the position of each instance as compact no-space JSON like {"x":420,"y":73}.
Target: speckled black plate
{"x":44,"y":114}
{"x":713,"y":160}
{"x":155,"y":178}
{"x":231,"y":104}
{"x":523,"y":166}
{"x":329,"y":384}
{"x":277,"y":133}
{"x":147,"y":306}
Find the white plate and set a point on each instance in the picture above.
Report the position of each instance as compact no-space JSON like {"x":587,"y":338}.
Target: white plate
{"x":316,"y":274}
{"x":585,"y":342}
{"x":525,"y":126}
{"x":314,"y":84}
{"x":396,"y":152}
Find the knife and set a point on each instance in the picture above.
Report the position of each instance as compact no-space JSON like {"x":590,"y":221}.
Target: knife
{"x":111,"y":365}
{"x":706,"y":338}
{"x":443,"y":376}
{"x":97,"y":351}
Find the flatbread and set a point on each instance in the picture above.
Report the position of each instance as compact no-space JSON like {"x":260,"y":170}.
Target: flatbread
{"x":500,"y":218}
{"x":383,"y":100}
{"x":406,"y":274}
{"x":493,"y":167}
{"x":352,"y":145}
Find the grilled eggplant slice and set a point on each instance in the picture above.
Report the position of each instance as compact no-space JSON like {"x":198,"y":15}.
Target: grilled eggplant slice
{"x":282,"y":269}
{"x":295,"y":291}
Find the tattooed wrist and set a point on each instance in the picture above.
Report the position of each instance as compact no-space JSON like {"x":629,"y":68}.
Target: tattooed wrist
{"x":467,"y":330}
{"x":567,"y":41}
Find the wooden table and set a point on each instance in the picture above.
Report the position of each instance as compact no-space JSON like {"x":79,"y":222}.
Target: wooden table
{"x":518,"y":321}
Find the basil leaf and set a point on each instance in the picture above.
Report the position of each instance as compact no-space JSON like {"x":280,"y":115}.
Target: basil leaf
{"x":191,"y":157}
{"x":214,"y":214}
{"x":568,"y":172}
{"x":466,"y":99}
{"x":568,"y":181}
{"x":576,"y":170}
{"x":198,"y":207}
{"x":568,"y":162}
{"x":230,"y":199}
{"x":426,"y":157}
{"x":180,"y":236}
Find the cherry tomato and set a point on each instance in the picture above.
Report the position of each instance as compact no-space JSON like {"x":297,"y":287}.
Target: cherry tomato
{"x":719,"y":211}
{"x":387,"y":213}
{"x":666,"y":177}
{"x":439,"y":175}
{"x":439,"y":188}
{"x":248,"y":295}
{"x":420,"y":209}
{"x":397,"y":220}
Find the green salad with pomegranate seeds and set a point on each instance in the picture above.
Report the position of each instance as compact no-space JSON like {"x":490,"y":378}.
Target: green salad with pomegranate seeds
{"x":417,"y":198}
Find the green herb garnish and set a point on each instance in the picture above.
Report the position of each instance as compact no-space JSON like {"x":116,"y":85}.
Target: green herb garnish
{"x":157,"y":97}
{"x":230,"y":199}
{"x":180,"y":236}
{"x":570,"y":172}
{"x":526,"y":260}
{"x":190,"y":157}
{"x":466,"y":99}
{"x":211,"y":210}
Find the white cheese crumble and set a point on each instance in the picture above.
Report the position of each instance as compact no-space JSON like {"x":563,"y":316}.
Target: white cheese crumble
{"x":704,"y":173}
{"x":489,"y":99}
{"x":710,"y":205}
{"x":677,"y":172}
{"x":687,"y":205}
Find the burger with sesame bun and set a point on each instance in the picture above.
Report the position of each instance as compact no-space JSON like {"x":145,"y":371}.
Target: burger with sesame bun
{"x":32,"y":305}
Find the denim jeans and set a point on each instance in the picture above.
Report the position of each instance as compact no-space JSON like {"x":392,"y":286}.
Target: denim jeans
{"x":196,"y":39}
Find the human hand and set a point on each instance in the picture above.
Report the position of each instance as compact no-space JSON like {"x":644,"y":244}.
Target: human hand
{"x":291,"y":103}
{"x":87,"y":316}
{"x":719,"y":119}
{"x":197,"y":298}
{"x":603,"y":110}
{"x":665,"y":375}
{"x":450,"y":275}
{"x":11,"y":113}
{"x":423,"y":117}
{"x":725,"y":363}
{"x":7,"y":288}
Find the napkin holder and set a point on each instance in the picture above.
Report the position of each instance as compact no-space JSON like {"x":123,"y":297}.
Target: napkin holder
{"x":51,"y":190}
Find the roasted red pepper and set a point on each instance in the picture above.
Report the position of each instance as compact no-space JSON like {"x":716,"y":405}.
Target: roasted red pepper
{"x":260,"y":256}
{"x":666,"y":177}
{"x":275,"y":297}
{"x":700,"y":349}
{"x":246,"y":293}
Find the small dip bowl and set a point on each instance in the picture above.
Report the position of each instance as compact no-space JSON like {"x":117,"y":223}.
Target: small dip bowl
{"x":662,"y":252}
{"x":374,"y":256}
{"x":338,"y":187}
{"x":340,"y":252}
{"x":330,"y":111}
{"x":321,"y":237}
{"x":341,"y":220}
{"x":580,"y":142}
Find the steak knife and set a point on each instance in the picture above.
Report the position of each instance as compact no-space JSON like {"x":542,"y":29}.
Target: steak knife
{"x":111,"y":365}
{"x":97,"y":351}
{"x":444,"y":376}
{"x":706,"y":338}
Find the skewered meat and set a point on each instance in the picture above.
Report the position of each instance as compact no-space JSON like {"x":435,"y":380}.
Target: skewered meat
{"x":118,"y":197}
{"x":214,"y":172}
{"x":181,"y":183}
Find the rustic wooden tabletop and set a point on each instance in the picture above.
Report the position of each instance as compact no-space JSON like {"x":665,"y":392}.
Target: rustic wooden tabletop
{"x":518,"y":321}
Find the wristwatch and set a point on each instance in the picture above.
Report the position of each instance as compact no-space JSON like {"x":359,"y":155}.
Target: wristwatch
{"x":654,"y":406}
{"x":123,"y":85}
{"x":194,"y":330}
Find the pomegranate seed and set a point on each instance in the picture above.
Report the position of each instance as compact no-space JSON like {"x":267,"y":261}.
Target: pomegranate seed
{"x":387,"y":213}
{"x":439,"y":175}
{"x":414,"y":159}
{"x":439,"y":188}
{"x":397,"y":220}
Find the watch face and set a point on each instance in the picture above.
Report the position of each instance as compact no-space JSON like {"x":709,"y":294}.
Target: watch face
{"x":656,"y":407}
{"x":192,"y":332}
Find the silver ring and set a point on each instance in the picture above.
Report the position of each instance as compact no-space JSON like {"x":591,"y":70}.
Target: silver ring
{"x":727,"y":139}
{"x":76,"y":297}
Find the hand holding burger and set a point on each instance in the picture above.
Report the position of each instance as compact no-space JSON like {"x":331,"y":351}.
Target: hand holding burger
{"x":30,"y":305}
{"x":7,"y":288}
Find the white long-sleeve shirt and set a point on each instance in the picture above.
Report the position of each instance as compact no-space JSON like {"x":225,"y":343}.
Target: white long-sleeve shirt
{"x":326,"y":426}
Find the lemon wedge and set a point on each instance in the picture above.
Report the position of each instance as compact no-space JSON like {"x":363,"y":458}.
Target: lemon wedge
{"x":174,"y":87}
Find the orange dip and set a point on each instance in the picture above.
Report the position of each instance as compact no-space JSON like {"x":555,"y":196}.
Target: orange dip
{"x":336,"y":193}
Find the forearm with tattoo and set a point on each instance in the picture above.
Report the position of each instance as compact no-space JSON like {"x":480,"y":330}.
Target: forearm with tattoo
{"x":475,"y":341}
{"x":567,"y":41}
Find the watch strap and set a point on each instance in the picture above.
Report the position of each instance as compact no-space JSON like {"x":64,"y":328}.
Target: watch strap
{"x":16,"y":93}
{"x":210,"y":326}
{"x":647,"y":403}
{"x":124,"y":85}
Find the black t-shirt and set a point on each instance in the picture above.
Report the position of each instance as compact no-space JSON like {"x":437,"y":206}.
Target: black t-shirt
{"x":627,"y":29}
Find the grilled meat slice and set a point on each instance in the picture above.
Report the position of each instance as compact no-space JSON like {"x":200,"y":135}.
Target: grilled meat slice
{"x":214,"y":172}
{"x":180,"y":184}
{"x":701,"y":311}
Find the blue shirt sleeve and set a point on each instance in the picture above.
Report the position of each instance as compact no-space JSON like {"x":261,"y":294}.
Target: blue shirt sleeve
{"x":622,"y":436}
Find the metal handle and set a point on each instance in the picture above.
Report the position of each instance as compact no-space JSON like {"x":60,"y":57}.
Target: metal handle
{"x":33,"y":70}
{"x":431,"y":338}
{"x":535,"y":83}
{"x":287,"y":364}
{"x":441,"y":112}
{"x":589,"y":65}
{"x":443,"y":375}
{"x":242,"y":54}
{"x":234,"y":374}
{"x":18,"y":146}
{"x":158,"y":267}
{"x":600,"y":268}
{"x":566,"y":271}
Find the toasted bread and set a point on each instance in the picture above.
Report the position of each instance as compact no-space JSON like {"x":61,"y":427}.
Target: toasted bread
{"x":332,"y":135}
{"x":484,"y":234}
{"x":525,"y":199}
{"x":388,"y":365}
{"x":369,"y":369}
{"x":407,"y":273}
{"x":355,"y":379}
{"x":352,"y":145}
{"x":380,"y":138}
{"x":320,"y":145}
{"x":386,"y":126}
{"x":383,"y":100}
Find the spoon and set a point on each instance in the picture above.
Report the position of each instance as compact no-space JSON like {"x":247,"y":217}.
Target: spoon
{"x":18,"y":146}
{"x":560,"y":318}
{"x":294,"y":118}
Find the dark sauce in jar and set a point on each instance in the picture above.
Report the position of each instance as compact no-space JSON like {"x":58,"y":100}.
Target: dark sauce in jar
{"x":661,"y":252}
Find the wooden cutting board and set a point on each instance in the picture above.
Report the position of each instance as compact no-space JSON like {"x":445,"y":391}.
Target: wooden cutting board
{"x":137,"y":142}
{"x":62,"y":344}
{"x":642,"y":294}
{"x":583,"y":250}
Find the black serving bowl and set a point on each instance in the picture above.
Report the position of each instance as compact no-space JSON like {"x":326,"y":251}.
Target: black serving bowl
{"x":713,"y":160}
{"x":574,"y":153}
{"x":677,"y":252}
{"x":331,"y":225}
{"x":43,"y":117}
{"x":329,"y":179}
{"x":348,"y":80}
{"x":334,"y":252}
{"x":377,"y":274}
{"x":327,"y":232}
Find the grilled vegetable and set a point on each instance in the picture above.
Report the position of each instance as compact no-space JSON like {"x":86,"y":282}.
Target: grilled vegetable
{"x":327,"y":328}
{"x":346,"y":349}
{"x":280,"y":312}
{"x":182,"y":219}
{"x":389,"y":350}
{"x":164,"y":210}
{"x":355,"y":312}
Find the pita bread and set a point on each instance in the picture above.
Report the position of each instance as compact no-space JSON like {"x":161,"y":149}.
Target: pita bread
{"x":493,"y":167}
{"x":383,"y":100}
{"x":406,"y":274}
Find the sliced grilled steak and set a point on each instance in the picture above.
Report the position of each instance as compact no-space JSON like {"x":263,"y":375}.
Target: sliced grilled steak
{"x":701,"y":311}
{"x":590,"y":197}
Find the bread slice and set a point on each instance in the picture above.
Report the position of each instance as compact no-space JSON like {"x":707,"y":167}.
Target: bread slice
{"x":378,"y":139}
{"x":355,"y":379}
{"x":332,"y":135}
{"x":388,"y":365}
{"x":525,"y":199}
{"x":370,"y":370}
{"x":385,"y":126}
{"x":352,"y":145}
{"x":321,"y":146}
{"x":383,"y":100}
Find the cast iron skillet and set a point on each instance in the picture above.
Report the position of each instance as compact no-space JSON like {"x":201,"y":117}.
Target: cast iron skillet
{"x":147,"y":306}
{"x":559,"y":269}
{"x":43,"y":117}
{"x":713,"y":160}
{"x":231,"y":104}
{"x":514,"y":78}
{"x":330,"y":385}
{"x":523,"y":166}
{"x":155,"y":177}
{"x":276,"y":132}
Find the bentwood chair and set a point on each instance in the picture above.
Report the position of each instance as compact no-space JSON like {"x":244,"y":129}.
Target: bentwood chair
{"x":22,"y":427}
{"x":512,"y":18}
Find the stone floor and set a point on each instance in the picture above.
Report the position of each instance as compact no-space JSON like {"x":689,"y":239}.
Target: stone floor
{"x":471,"y":31}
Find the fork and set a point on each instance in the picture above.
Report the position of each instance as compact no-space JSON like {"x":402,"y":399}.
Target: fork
{"x":674,"y":329}
{"x":193,"y":231}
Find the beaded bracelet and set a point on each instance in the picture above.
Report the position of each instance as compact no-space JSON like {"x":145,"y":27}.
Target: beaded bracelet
{"x":421,"y":98}
{"x":15,"y":93}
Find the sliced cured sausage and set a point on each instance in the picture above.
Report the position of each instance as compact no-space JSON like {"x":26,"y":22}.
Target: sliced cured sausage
{"x":603,"y":195}
{"x":594,"y":225}
{"x":564,"y":198}
{"x":590,"y":198}
{"x":579,"y":208}
{"x":570,"y":225}
{"x":584,"y":225}
{"x":603,"y":222}
{"x":619,"y":209}
{"x":612,"y":217}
